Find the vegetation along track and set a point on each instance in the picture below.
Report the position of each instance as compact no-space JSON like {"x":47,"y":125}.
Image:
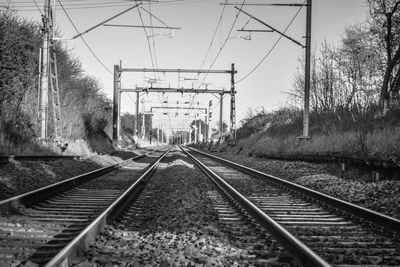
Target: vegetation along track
{"x":339,"y":232}
{"x":37,"y":225}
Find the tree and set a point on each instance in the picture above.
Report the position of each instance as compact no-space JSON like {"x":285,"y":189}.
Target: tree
{"x":84,"y":108}
{"x":19,"y":42}
{"x":385,"y":25}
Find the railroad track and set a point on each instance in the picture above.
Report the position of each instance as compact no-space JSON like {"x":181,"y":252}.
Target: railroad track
{"x":180,"y":218}
{"x":317,"y":229}
{"x":49,"y":225}
{"x":265,"y":224}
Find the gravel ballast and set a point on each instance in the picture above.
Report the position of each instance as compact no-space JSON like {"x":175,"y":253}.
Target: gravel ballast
{"x":382,"y":196}
{"x":176,"y":225}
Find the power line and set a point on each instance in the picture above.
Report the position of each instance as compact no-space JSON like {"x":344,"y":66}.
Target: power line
{"x":272,"y":48}
{"x":213,"y":37}
{"x":38,"y":8}
{"x":223,"y":45}
{"x":31,"y":8}
{"x":152,"y":33}
{"x":83,"y":39}
{"x":66,"y":5}
{"x":147,"y":38}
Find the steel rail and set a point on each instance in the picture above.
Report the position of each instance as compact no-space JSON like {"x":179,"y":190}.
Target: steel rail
{"x":299,"y":250}
{"x":378,"y":219}
{"x":35,"y":196}
{"x":87,"y":235}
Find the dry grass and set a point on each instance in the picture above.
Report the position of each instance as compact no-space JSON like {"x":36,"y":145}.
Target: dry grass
{"x":26,"y":148}
{"x":80,"y":148}
{"x":31,"y":148}
{"x":379,"y":142}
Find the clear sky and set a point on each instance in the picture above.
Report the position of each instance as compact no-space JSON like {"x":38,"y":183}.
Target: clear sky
{"x":266,"y":86}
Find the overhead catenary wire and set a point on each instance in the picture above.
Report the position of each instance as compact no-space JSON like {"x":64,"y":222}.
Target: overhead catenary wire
{"x":32,"y":8}
{"x":147,"y":38}
{"x":272,"y":48}
{"x":38,"y":8}
{"x":83,"y":39}
{"x":153,"y":39}
{"x":224,"y":43}
{"x":25,"y":7}
{"x":213,"y":37}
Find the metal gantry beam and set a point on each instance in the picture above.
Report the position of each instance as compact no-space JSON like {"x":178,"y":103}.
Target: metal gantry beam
{"x":186,"y":108}
{"x":175,"y":70}
{"x":141,"y":26}
{"x":175,"y":90}
{"x":118,"y":70}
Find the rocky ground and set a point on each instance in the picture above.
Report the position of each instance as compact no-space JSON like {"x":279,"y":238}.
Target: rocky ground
{"x":381,"y":196}
{"x":176,"y":226}
{"x":18,"y":177}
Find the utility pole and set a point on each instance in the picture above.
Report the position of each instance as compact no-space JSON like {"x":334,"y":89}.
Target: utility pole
{"x":221,"y":106}
{"x":119,"y":106}
{"x":143,"y":120}
{"x":117,"y":82}
{"x":44,"y":78}
{"x":307,"y":72}
{"x":200,"y":132}
{"x":162,"y":134}
{"x":307,"y":78}
{"x":135,"y":123}
{"x":233,"y":104}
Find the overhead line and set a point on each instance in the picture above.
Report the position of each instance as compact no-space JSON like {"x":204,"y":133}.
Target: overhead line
{"x":223,"y":45}
{"x":152,"y":15}
{"x":38,"y":8}
{"x":83,"y":39}
{"x":272,"y":48}
{"x":213,"y":37}
{"x":107,"y":20}
{"x":80,"y":4}
{"x":81,"y":8}
{"x":153,"y":39}
{"x":147,"y":38}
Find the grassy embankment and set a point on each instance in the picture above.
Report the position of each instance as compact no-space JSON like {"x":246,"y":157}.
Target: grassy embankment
{"x":379,"y":142}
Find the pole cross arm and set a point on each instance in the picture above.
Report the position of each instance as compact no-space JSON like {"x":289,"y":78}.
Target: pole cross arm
{"x":260,"y":4}
{"x":175,"y":90}
{"x":143,"y":26}
{"x":107,"y":20}
{"x":272,"y":28}
{"x":176,"y":70}
{"x":184,"y":108}
{"x":245,"y":30}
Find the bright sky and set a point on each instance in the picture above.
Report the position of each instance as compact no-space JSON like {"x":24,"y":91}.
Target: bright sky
{"x":265,"y":87}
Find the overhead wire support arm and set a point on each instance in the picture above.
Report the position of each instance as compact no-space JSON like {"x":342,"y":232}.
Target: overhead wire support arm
{"x":152,"y":15}
{"x":107,"y":20}
{"x":176,"y":70}
{"x":261,"y":4}
{"x":272,"y":28}
{"x":141,"y":26}
{"x":245,"y":30}
{"x":175,"y":90}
